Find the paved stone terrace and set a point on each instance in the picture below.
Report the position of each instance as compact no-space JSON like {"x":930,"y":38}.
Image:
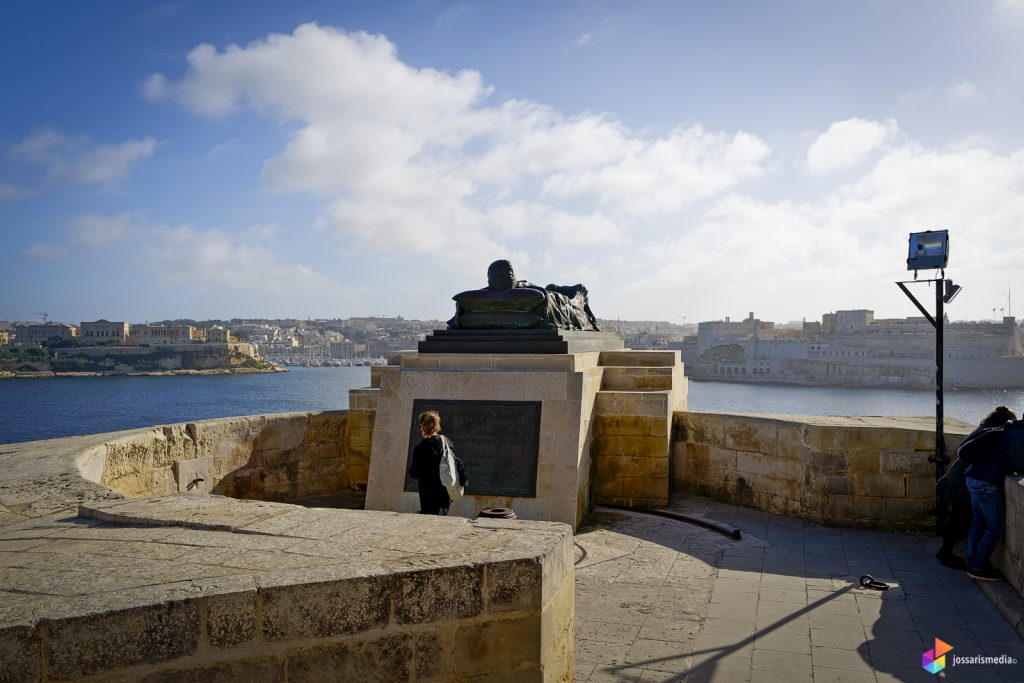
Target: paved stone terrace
{"x":662,"y":600}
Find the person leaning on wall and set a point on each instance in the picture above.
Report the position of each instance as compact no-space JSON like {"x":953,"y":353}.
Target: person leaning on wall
{"x":952,"y":490}
{"x":425,"y":469}
{"x":991,"y":455}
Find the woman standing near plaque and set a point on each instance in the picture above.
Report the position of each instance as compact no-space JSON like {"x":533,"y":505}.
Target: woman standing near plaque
{"x":426,"y":461}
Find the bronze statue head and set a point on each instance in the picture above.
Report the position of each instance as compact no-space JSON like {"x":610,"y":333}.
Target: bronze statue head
{"x":500,"y":275}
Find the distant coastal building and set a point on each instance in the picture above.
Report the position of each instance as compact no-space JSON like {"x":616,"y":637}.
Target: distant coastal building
{"x":37,"y":333}
{"x":5,"y":338}
{"x":343,"y":350}
{"x":852,"y":348}
{"x":166,"y":334}
{"x":104,"y":331}
{"x":218,"y":335}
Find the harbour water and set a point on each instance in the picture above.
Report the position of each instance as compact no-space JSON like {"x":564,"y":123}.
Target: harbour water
{"x":47,"y":408}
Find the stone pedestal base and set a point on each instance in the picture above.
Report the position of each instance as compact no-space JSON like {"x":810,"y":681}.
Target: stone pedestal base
{"x":565,"y":385}
{"x":607,"y":413}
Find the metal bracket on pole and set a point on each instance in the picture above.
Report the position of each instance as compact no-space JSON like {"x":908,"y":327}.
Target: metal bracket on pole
{"x":918,"y":303}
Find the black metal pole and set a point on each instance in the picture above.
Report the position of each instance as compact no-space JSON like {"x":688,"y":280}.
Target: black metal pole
{"x":940,"y":436}
{"x":940,"y":433}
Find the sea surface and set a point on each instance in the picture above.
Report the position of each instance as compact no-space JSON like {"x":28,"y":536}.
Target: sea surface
{"x":46,"y":408}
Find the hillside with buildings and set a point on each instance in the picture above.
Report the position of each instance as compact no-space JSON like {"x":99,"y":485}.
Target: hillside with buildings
{"x":103,"y":347}
{"x":848,"y":347}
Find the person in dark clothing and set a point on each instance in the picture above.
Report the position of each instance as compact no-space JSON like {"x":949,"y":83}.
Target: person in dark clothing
{"x":425,"y":469}
{"x":952,"y":489}
{"x":991,"y":456}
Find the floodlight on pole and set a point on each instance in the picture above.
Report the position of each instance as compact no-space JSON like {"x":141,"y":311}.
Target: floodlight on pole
{"x":930,"y":249}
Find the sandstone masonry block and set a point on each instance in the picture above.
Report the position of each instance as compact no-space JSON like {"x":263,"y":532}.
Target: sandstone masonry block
{"x":827,"y":461}
{"x":231,"y":619}
{"x":750,"y":463}
{"x":100,"y":643}
{"x":312,"y":610}
{"x":906,"y":509}
{"x":439,"y":595}
{"x":514,"y":586}
{"x":884,"y":485}
{"x":429,"y":650}
{"x":906,"y":462}
{"x":609,"y":466}
{"x":19,"y":654}
{"x":755,"y":436}
{"x":921,"y":486}
{"x":250,"y":670}
{"x":381,"y":660}
{"x":862,"y":462}
{"x":659,"y":467}
{"x":497,"y":646}
{"x":646,"y":487}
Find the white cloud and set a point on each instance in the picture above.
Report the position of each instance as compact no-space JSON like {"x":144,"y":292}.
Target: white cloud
{"x":848,"y":247}
{"x":419,"y":161}
{"x":94,"y":230}
{"x":604,"y":33}
{"x":1011,"y":8}
{"x":451,"y":15}
{"x":77,"y":159}
{"x":212,"y":261}
{"x":10,"y":193}
{"x":847,"y":143}
{"x":45,"y":252}
{"x":965,"y":90}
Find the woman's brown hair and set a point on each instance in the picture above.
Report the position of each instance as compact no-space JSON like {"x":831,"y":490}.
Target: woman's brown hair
{"x":430,"y":422}
{"x":998,"y":417}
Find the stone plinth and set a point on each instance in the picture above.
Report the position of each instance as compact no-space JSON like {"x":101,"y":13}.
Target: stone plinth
{"x":566,"y":386}
{"x":613,"y":405}
{"x":206,"y":588}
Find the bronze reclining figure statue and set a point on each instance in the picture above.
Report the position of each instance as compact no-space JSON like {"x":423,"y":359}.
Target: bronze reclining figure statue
{"x":510,"y":304}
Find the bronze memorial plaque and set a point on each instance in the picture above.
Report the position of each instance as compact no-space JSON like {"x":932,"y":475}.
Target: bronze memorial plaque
{"x":497,"y":441}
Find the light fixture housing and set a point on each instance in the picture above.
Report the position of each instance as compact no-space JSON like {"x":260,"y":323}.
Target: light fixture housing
{"x":928,"y":249}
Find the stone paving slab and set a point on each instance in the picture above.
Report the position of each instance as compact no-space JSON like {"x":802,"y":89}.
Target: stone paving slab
{"x":661,"y":600}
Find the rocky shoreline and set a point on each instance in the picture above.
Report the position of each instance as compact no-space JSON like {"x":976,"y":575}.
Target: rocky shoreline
{"x":8,"y":374}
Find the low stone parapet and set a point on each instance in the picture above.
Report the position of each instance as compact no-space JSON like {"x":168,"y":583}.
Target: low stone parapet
{"x":1009,"y":557}
{"x":207,"y":588}
{"x":870,"y":472}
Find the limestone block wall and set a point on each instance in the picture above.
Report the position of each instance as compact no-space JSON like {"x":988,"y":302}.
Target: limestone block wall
{"x":1009,"y":558}
{"x":854,"y":472}
{"x":632,"y":448}
{"x":632,"y":424}
{"x":277,"y":457}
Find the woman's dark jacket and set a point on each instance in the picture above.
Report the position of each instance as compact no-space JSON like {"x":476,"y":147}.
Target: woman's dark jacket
{"x":426,"y":469}
{"x":994,"y":453}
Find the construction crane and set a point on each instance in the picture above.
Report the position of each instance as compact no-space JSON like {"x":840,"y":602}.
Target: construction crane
{"x":45,"y":316}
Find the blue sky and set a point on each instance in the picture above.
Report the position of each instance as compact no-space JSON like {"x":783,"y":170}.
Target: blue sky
{"x":684,"y":160}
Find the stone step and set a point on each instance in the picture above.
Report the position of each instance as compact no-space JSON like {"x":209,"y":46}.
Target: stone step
{"x":652,"y":403}
{"x":615,"y":378}
{"x":628,"y":358}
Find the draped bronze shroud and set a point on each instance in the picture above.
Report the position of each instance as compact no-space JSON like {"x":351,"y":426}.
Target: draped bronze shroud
{"x":510,"y":304}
